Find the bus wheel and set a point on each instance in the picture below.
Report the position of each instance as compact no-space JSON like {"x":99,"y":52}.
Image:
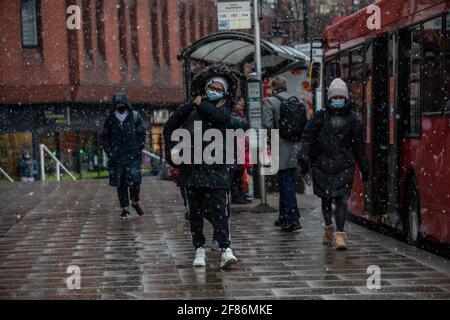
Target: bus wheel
{"x":412,"y":221}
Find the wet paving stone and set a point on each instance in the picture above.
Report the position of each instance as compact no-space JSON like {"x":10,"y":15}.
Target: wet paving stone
{"x":150,"y":257}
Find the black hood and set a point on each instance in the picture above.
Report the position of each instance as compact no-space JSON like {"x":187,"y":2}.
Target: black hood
{"x":197,"y":87}
{"x":121,"y":97}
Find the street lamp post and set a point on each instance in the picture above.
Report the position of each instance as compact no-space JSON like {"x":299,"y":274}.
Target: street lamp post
{"x":262,"y":185}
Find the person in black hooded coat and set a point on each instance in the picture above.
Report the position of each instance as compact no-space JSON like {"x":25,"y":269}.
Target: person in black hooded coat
{"x":207,"y":185}
{"x":123,"y":141}
{"x":332,"y":143}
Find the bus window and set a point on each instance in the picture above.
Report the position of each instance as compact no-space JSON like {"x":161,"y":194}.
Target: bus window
{"x":331,"y":72}
{"x":356,"y":80}
{"x":431,"y":75}
{"x":447,"y":67}
{"x":368,"y":73}
{"x":344,"y":66}
{"x":410,"y":80}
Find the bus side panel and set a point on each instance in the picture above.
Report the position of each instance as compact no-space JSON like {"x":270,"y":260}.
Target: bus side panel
{"x":446,"y":187}
{"x":426,"y":157}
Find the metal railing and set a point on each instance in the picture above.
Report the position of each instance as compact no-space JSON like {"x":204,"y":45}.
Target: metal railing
{"x":154,"y":156}
{"x":42,"y":150}
{"x":6,"y":175}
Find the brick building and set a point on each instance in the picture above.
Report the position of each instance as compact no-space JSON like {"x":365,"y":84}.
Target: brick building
{"x":56,"y":83}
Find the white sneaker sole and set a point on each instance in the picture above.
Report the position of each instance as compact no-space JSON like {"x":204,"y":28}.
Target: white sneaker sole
{"x":228,"y":263}
{"x":201,"y":263}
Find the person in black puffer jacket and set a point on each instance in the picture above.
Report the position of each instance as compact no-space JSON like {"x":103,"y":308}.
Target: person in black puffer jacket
{"x":123,"y":141}
{"x":332,"y":144}
{"x":207,"y":185}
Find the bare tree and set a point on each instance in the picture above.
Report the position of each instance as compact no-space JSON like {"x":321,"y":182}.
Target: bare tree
{"x":288,"y":16}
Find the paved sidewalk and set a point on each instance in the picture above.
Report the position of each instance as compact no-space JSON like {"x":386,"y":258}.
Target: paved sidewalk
{"x":18,"y":199}
{"x":150,"y":257}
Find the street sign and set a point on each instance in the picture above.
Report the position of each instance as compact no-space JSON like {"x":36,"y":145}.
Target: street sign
{"x":254,"y":103}
{"x":234,"y":15}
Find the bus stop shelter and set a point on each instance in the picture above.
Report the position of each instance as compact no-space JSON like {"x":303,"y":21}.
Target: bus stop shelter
{"x":237,"y":51}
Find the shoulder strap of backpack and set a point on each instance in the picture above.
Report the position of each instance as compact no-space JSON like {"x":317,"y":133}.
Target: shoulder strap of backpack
{"x":279,"y":98}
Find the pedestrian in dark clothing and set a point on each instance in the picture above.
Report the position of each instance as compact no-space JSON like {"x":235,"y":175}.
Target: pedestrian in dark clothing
{"x":207,"y":185}
{"x":123,"y":141}
{"x":27,"y":167}
{"x":289,"y":214}
{"x":332,"y":143}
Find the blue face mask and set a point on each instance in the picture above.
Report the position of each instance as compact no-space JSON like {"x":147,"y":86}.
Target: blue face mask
{"x":213,"y":95}
{"x":337,"y":103}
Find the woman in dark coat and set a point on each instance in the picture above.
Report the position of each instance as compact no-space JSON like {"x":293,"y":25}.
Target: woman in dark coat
{"x":332,"y":144}
{"x":123,"y":141}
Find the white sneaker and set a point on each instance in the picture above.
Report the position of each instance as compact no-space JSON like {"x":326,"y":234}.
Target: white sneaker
{"x":228,"y":259}
{"x":200,"y":258}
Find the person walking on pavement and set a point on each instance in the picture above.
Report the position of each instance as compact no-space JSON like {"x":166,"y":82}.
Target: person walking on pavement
{"x":27,"y":167}
{"x":207,"y":185}
{"x":289,"y":214}
{"x":123,"y":141}
{"x":331,"y":144}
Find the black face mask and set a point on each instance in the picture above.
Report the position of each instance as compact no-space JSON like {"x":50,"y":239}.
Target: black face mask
{"x":122,"y":110}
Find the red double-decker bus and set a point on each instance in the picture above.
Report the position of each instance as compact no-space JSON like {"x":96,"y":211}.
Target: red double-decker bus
{"x":397,"y":67}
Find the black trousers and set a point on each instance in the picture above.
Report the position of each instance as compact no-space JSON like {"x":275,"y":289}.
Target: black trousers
{"x":212,"y":204}
{"x":340,"y":212}
{"x":127,"y":192}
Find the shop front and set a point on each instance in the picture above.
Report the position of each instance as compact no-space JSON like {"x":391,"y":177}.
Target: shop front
{"x":71,"y":132}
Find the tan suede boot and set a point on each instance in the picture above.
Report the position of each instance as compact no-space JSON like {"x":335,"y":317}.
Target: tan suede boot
{"x":327,"y":238}
{"x":339,"y":238}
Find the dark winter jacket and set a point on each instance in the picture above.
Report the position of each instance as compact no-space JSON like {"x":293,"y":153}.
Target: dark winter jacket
{"x":332,"y":143}
{"x":211,"y":116}
{"x":124,"y":144}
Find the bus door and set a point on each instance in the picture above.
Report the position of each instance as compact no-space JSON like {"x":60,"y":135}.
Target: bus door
{"x":394,"y":126}
{"x":380,"y":126}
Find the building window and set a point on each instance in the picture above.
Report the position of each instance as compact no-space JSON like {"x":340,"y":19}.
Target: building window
{"x":122,"y":35}
{"x":29,"y":11}
{"x":154,"y":31}
{"x":192,"y":25}
{"x":165,"y":29}
{"x":100,"y":20}
{"x":87,"y":29}
{"x":432,"y":69}
{"x":134,"y":32}
{"x":183,"y":34}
